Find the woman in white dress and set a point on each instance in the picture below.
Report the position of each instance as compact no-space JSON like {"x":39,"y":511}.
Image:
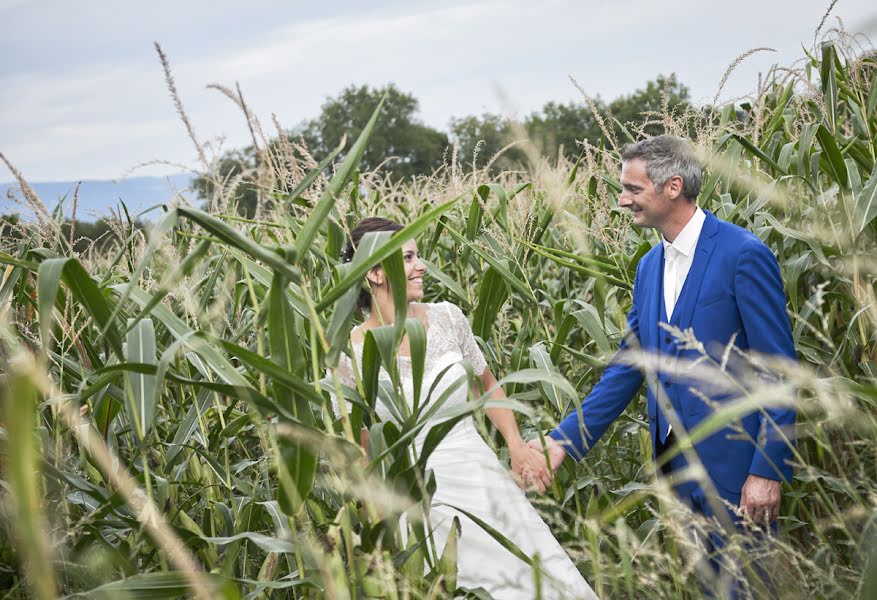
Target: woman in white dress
{"x":467,"y":473}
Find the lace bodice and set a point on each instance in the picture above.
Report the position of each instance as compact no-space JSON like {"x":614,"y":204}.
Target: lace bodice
{"x":449,"y":340}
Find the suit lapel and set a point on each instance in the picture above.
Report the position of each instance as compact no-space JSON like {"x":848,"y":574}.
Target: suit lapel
{"x":654,"y":301}
{"x":684,"y":310}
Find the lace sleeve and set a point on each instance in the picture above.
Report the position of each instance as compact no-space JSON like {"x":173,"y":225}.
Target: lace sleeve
{"x":468,"y":346}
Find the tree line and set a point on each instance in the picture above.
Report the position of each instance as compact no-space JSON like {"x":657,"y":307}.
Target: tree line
{"x":404,"y":147}
{"x":81,"y":236}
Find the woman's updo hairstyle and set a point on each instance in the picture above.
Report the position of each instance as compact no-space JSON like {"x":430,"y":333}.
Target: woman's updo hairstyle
{"x":365,"y":226}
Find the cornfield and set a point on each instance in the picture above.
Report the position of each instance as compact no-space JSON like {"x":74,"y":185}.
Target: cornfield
{"x":167,"y":427}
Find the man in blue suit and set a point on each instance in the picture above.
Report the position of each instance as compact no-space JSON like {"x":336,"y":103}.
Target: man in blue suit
{"x":723,"y":283}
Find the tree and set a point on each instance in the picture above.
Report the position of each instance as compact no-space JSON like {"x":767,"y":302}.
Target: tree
{"x":406,"y":147}
{"x":643,"y":108}
{"x":231,"y":165}
{"x":403,"y":144}
{"x":559,"y":127}
{"x":562,"y":126}
{"x":488,"y":134}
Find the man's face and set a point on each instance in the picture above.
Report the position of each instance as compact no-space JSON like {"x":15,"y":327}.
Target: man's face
{"x":650,"y":207}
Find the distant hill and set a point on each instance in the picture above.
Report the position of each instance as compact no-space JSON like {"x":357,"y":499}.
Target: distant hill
{"x":96,"y":198}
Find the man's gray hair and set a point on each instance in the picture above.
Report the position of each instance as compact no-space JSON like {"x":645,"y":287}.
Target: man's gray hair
{"x":666,"y":156}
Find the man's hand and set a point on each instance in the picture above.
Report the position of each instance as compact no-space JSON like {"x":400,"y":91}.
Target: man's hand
{"x":760,"y":499}
{"x":556,"y":453}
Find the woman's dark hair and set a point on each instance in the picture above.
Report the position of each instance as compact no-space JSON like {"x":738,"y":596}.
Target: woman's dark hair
{"x":365,"y":226}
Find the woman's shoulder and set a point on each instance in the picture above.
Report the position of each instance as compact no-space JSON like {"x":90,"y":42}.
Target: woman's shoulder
{"x":447,"y":310}
{"x":442,"y":305}
{"x":357,"y":334}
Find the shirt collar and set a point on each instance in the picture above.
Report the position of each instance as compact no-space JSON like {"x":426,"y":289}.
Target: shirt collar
{"x":687,"y":238}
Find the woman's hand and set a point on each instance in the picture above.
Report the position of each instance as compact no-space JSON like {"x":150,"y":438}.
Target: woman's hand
{"x":530,"y":467}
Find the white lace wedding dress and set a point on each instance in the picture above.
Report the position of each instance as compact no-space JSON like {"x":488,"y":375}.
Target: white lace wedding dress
{"x":470,"y":477}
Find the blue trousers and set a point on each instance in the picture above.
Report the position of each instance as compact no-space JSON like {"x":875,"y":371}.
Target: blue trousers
{"x":730,"y":576}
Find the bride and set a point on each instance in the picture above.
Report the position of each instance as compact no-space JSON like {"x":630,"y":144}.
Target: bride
{"x":467,"y":473}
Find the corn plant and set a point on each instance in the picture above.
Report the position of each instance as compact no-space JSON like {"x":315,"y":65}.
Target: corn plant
{"x":167,"y":420}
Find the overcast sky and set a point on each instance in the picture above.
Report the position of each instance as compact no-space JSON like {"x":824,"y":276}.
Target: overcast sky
{"x":82,"y":94}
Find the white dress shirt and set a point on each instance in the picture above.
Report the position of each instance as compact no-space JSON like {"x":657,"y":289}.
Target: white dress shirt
{"x":678,"y":256}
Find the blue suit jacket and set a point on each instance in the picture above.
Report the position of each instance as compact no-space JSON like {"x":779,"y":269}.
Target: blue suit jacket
{"x":733,"y":291}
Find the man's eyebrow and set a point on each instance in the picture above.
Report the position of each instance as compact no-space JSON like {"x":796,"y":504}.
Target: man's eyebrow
{"x":631,"y":186}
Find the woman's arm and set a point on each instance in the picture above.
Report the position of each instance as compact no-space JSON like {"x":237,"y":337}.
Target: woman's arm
{"x":523,"y":457}
{"x":527,"y":463}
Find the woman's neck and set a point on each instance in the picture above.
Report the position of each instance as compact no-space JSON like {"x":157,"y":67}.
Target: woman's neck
{"x":384,"y":312}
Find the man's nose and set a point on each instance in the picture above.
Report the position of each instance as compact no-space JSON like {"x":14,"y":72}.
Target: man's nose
{"x":623,"y":200}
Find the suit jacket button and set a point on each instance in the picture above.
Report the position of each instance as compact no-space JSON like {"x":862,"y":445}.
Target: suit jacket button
{"x":652,"y":419}
{"x":667,"y":339}
{"x":668,"y":406}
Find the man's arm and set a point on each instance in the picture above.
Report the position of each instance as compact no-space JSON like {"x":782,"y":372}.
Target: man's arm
{"x":607,"y":400}
{"x":762,"y":304}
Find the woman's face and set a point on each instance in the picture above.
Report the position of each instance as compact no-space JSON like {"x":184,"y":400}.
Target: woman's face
{"x":414,"y":270}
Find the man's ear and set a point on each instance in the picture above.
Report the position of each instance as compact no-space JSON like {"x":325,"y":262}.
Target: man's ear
{"x":673,"y":187}
{"x":375,"y":276}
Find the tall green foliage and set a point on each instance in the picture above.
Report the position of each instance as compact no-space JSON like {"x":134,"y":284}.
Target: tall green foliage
{"x":205,"y":361}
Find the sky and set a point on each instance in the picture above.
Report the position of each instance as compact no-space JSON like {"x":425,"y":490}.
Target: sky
{"x":82,"y":94}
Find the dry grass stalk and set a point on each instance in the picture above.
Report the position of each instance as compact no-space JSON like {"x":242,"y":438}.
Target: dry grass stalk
{"x":665,"y":103}
{"x":47,"y":225}
{"x":734,"y":64}
{"x":73,"y":215}
{"x":178,"y":104}
{"x":822,"y":21}
{"x":607,"y":132}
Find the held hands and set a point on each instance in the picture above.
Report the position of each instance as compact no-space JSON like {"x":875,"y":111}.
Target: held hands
{"x":556,"y":453}
{"x":528,"y":465}
{"x":760,"y":499}
{"x":535,"y":472}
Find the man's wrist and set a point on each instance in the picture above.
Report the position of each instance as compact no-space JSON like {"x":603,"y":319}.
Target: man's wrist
{"x":760,"y":476}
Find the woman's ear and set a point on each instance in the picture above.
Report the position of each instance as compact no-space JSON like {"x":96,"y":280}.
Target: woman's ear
{"x":375,"y":276}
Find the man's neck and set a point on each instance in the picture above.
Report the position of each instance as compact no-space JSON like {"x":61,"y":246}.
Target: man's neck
{"x":677,"y":221}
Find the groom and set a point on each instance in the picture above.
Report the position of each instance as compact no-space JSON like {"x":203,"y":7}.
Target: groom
{"x":723,"y":283}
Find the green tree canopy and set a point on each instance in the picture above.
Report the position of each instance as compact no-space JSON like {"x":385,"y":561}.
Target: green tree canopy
{"x":406,"y":146}
{"x":480,"y":138}
{"x":643,"y":108}
{"x":559,"y":128}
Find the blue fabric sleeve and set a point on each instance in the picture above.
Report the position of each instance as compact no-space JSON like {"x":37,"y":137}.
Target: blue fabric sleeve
{"x":580,"y":430}
{"x":758,"y":286}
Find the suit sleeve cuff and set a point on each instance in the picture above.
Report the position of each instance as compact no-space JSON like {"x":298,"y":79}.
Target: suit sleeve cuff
{"x":566,"y":444}
{"x":763,"y":468}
